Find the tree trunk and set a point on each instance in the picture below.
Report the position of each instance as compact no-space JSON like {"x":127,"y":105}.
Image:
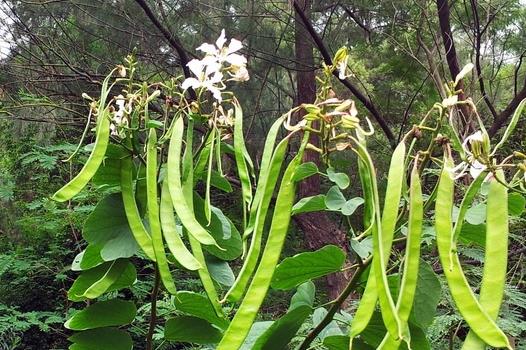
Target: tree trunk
{"x":444,"y":13}
{"x":318,"y":229}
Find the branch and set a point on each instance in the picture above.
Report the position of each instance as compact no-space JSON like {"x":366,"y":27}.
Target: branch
{"x":359,"y":22}
{"x":366,"y":101}
{"x":478,"y":67}
{"x":451,"y":53}
{"x":336,"y":304}
{"x":172,"y":40}
{"x":153,"y":312}
{"x":508,"y":111}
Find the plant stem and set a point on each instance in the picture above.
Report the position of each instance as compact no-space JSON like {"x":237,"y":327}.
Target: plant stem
{"x":153,"y":311}
{"x":335,"y":306}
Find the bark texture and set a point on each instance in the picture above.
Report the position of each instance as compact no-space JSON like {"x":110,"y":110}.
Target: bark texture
{"x":318,"y":228}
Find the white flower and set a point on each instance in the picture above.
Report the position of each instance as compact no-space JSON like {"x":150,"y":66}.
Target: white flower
{"x":225,"y":54}
{"x":208,"y":75}
{"x":342,"y":67}
{"x":474,"y":146}
{"x":208,"y":71}
{"x":240,"y":73}
{"x":450,"y":101}
{"x":467,"y":68}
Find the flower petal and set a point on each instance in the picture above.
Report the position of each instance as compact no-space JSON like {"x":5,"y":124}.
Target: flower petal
{"x":208,"y":49}
{"x":196,"y":66}
{"x":190,"y":82}
{"x":220,"y":42}
{"x":236,"y":60}
{"x":476,"y":169}
{"x":235,"y":45}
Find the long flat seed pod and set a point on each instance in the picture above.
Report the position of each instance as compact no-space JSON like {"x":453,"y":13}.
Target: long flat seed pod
{"x":367,"y":303}
{"x":182,"y":208}
{"x":132,"y":212}
{"x":171,"y":235}
{"x":188,"y":198}
{"x":153,"y":213}
{"x":268,"y":151}
{"x":244,"y":318}
{"x":96,"y":157}
{"x":240,"y":152}
{"x":406,"y":295}
{"x":468,"y":306}
{"x":238,"y":288}
{"x":495,"y":258}
{"x":382,"y":240}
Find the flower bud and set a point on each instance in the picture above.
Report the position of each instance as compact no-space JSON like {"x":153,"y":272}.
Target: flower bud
{"x":121,"y":71}
{"x":350,"y":122}
{"x":310,"y":108}
{"x":343,"y":106}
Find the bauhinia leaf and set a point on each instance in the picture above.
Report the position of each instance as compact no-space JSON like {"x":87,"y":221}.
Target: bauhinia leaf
{"x":302,"y":267}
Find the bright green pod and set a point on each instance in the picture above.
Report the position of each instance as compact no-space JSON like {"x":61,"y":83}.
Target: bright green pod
{"x":240,"y":153}
{"x":132,"y":212}
{"x":238,"y":329}
{"x":188,"y":198}
{"x":469,"y":196}
{"x":171,"y":235}
{"x":93,"y":163}
{"x":96,"y":157}
{"x":268,"y":150}
{"x":208,"y":205}
{"x":153,"y":213}
{"x":367,"y":303}
{"x":495,"y":258}
{"x":114,"y":272}
{"x":382,"y":238}
{"x":471,"y":310}
{"x":180,"y":203}
{"x":238,"y":288}
{"x":406,"y":296}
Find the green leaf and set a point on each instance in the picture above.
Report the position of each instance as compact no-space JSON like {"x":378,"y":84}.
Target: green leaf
{"x":351,"y":205}
{"x":218,"y":181}
{"x":278,"y":336}
{"x":101,"y":339}
{"x":113,"y":312}
{"x":363,"y":248}
{"x":304,"y":170}
{"x":473,"y":234}
{"x":199,"y":306}
{"x":331,"y":329}
{"x":222,"y":229}
{"x":340,"y":179}
{"x":302,"y":267}
{"x":154,"y":124}
{"x":334,"y":200}
{"x":257,"y":329}
{"x":309,"y":204}
{"x":107,"y":227}
{"x":108,"y":174}
{"x":304,"y":295}
{"x":89,"y":277}
{"x":375,"y":331}
{"x":476,"y":215}
{"x":189,"y":329}
{"x":87,"y":259}
{"x":427,"y":296}
{"x":516,"y":204}
{"x":341,"y":342}
{"x":220,"y":271}
{"x":418,"y":339}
